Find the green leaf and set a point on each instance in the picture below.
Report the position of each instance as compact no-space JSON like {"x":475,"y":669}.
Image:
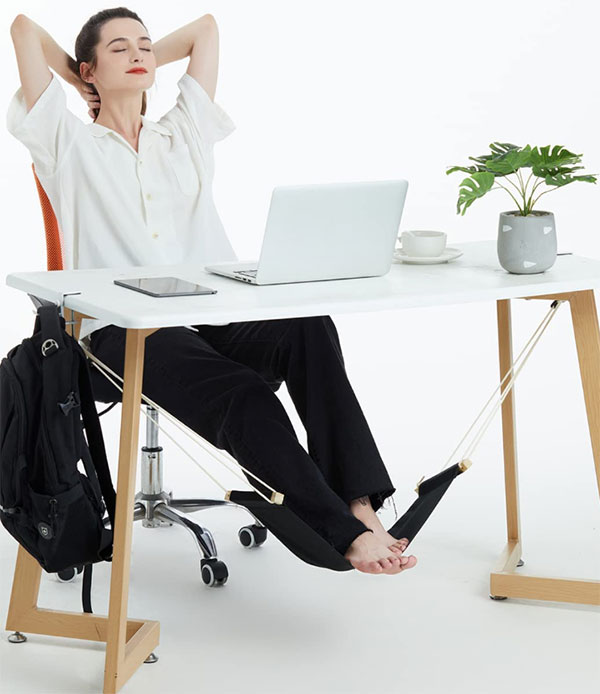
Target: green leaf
{"x":472,"y":188}
{"x":562,"y":180}
{"x":466,"y":169}
{"x":542,"y":156}
{"x":510,"y":162}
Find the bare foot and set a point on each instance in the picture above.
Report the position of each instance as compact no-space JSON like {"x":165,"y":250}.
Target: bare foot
{"x":363,"y":510}
{"x":390,"y":541}
{"x":369,"y":554}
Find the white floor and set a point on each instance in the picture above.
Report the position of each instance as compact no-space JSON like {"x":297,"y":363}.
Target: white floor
{"x":280,"y":625}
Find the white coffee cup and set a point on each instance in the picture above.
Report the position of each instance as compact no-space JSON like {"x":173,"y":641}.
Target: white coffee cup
{"x":427,"y":244}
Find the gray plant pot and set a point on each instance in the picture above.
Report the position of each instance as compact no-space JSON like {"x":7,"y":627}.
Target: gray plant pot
{"x":526,"y":245}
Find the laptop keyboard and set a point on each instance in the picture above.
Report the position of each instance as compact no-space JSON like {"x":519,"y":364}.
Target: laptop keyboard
{"x":250,"y":273}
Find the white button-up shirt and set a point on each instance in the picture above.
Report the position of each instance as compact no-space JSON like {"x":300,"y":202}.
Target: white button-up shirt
{"x":116,"y":207}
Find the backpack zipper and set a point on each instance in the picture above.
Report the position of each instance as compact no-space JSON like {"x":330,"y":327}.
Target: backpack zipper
{"x":20,"y":400}
{"x":53,"y":503}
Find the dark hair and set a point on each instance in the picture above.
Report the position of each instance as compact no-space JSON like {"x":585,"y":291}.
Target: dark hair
{"x":88,"y":39}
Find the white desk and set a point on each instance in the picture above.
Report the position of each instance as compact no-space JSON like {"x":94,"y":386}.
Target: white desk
{"x":475,"y":276}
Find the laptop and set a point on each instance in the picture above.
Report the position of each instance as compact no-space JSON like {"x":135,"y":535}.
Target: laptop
{"x":327,"y":231}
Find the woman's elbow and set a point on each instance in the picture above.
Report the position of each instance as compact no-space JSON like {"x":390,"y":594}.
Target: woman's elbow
{"x":20,"y":22}
{"x":208,"y":19}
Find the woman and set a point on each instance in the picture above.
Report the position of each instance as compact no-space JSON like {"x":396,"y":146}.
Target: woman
{"x":128,"y":191}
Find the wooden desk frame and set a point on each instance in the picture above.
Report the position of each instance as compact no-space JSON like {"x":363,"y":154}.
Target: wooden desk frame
{"x":129,"y":642}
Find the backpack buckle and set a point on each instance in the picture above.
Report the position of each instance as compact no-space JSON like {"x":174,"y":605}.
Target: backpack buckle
{"x":71,"y":402}
{"x":49,"y":346}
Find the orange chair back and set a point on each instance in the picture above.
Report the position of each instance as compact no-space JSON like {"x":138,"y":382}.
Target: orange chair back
{"x":54,"y":256}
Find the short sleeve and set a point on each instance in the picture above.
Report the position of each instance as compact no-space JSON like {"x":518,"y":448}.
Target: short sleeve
{"x":197,"y":112}
{"x":48,"y":130}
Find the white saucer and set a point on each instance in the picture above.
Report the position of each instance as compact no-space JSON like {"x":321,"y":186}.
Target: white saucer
{"x":446,"y":256}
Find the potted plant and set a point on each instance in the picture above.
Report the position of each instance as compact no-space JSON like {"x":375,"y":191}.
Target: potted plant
{"x":526,"y":238}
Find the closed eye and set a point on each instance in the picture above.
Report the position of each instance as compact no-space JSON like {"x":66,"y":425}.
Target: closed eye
{"x":120,"y":50}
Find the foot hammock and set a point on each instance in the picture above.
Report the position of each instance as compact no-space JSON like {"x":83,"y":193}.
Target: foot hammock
{"x":289,"y":528}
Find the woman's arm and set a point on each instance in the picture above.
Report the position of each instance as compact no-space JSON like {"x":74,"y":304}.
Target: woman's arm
{"x":198,"y":40}
{"x":36,"y":50}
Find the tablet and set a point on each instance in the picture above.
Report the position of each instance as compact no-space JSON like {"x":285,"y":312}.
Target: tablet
{"x":164,"y":286}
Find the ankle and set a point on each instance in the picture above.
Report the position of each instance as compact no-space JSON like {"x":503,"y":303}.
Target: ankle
{"x":362,"y":505}
{"x":360,"y":540}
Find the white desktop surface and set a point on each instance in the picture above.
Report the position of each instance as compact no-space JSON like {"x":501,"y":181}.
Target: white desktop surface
{"x":475,"y":276}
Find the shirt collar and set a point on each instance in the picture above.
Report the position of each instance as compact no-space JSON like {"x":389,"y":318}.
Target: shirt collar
{"x":100,"y":130}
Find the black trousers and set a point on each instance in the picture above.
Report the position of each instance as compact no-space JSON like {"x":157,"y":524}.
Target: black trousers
{"x":221,"y":382}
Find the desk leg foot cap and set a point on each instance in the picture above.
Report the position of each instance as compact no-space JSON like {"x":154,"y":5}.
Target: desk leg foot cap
{"x":498,"y":597}
{"x":17,"y":637}
{"x":152,"y":658}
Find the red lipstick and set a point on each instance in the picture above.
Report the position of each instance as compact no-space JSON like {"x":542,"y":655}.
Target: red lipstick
{"x":137,"y":70}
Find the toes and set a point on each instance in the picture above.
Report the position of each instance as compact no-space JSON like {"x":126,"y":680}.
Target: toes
{"x":370,"y":567}
{"x":391,"y":562}
{"x":409,"y":562}
{"x":400,"y":544}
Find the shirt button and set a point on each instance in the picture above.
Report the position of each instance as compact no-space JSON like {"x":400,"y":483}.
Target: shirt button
{"x":155,"y":236}
{"x":140,"y":162}
{"x":148,"y":196}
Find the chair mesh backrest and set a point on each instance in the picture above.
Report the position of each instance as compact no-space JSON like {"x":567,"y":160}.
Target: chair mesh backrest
{"x":54,"y":255}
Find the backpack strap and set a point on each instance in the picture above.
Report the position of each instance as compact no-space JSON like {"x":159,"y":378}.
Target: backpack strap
{"x":95,"y":439}
{"x":52,"y":325}
{"x":86,"y":590}
{"x":100,"y":462}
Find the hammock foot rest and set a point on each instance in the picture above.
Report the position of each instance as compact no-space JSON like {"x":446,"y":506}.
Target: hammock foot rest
{"x":309,"y":546}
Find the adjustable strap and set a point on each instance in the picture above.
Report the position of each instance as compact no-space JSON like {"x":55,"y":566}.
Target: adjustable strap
{"x":95,"y":439}
{"x":100,"y":468}
{"x":86,"y":590}
{"x":88,"y":464}
{"x":56,"y":366}
{"x":51,"y":323}
{"x":513,"y":373}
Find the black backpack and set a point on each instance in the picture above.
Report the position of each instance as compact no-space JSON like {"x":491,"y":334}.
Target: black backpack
{"x":51,"y":508}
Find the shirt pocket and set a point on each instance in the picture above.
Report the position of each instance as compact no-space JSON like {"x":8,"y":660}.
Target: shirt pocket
{"x":181,"y":163}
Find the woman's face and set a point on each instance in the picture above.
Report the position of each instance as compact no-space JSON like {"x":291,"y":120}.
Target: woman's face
{"x":124,"y":44}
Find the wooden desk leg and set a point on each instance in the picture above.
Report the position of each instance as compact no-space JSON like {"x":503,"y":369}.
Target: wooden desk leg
{"x":587,"y":339}
{"x":129,"y":641}
{"x":504,"y":580}
{"x":124,"y":655}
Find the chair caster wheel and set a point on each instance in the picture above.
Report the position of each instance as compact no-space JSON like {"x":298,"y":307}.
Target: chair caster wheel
{"x":152,"y":658}
{"x":214,"y":572}
{"x":69,"y":575}
{"x":498,"y":597}
{"x":520,"y":563}
{"x":17,"y":637}
{"x":252,"y":535}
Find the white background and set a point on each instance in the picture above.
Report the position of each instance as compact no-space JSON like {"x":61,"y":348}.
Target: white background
{"x":350,"y":91}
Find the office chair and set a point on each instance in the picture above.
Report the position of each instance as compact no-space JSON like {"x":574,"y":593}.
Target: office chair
{"x":153,"y":505}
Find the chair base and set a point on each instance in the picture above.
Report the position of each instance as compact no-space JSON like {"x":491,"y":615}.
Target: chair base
{"x":156,"y":508}
{"x":162,"y":510}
